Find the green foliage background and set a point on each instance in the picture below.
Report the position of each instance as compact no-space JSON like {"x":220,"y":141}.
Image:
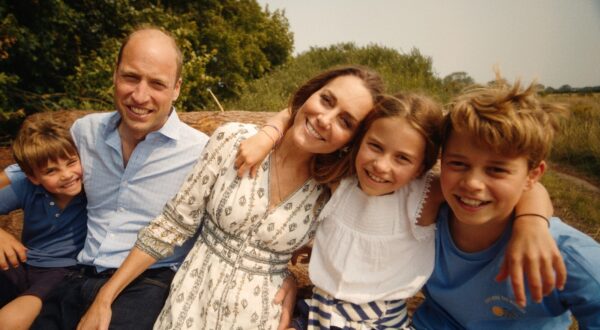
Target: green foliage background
{"x":59,"y":54}
{"x":401,"y":72}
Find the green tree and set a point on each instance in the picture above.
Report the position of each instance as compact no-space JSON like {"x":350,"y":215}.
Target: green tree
{"x":456,"y":82}
{"x":57,"y":54}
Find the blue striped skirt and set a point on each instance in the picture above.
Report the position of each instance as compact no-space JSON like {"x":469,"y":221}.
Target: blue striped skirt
{"x":390,"y":314}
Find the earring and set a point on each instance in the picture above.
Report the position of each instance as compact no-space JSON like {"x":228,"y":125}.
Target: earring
{"x":343,"y":151}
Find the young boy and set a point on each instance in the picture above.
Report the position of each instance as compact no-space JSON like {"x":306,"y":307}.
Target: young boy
{"x":495,"y":142}
{"x":54,"y":228}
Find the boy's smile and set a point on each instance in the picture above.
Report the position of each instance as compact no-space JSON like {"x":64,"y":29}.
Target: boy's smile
{"x":481,"y":186}
{"x":61,"y":178}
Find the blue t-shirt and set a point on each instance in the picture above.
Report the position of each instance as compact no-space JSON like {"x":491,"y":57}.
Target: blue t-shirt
{"x":53,"y":237}
{"x":462,"y":292}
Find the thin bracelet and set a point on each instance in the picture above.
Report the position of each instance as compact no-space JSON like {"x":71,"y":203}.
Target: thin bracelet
{"x":270,"y":137}
{"x":277,"y":130}
{"x":534,"y":215}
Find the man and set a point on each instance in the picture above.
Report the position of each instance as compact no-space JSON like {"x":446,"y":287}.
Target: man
{"x":134,"y":160}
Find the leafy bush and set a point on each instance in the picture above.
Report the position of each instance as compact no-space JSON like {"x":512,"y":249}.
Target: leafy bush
{"x":400,"y":72}
{"x":59,"y":54}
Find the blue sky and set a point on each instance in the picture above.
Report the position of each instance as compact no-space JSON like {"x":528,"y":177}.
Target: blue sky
{"x":555,"y":41}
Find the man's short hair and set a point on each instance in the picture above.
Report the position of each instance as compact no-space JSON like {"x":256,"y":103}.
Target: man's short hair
{"x":178,"y":59}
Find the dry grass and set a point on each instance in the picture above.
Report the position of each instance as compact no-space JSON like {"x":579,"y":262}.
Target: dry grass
{"x":577,"y":145}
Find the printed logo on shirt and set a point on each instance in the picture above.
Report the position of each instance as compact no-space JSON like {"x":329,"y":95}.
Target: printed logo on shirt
{"x":504,"y":307}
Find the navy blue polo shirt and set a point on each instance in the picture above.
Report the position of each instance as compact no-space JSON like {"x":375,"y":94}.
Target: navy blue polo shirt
{"x":53,"y":237}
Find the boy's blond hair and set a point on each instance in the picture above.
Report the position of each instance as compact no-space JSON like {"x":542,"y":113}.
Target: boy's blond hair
{"x":39,"y":141}
{"x":509,"y":120}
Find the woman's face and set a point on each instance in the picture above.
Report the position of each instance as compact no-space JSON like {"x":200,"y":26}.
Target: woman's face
{"x":330,"y":116}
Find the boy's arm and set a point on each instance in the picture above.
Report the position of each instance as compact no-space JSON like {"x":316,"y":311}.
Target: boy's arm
{"x":4,"y":180}
{"x":532,"y":249}
{"x":255,"y":149}
{"x":12,"y":251}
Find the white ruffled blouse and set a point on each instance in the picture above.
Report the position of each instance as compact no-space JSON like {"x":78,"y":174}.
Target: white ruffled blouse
{"x":370,"y":248}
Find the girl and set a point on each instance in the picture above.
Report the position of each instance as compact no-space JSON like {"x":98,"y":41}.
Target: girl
{"x":375,"y":245}
{"x":369,"y":255}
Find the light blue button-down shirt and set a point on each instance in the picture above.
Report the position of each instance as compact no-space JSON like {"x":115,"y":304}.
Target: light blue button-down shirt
{"x":123,"y":200}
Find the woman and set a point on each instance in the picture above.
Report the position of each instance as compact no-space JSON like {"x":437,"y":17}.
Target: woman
{"x":251,"y":227}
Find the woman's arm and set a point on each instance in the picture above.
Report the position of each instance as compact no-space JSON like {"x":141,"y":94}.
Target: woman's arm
{"x":99,"y":314}
{"x":532,"y":249}
{"x":178,"y":221}
{"x":255,"y":149}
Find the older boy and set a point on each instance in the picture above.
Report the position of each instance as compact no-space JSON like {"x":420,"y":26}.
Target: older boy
{"x":495,"y":142}
{"x":50,"y":194}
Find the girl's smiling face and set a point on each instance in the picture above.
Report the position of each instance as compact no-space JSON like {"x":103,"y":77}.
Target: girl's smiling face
{"x":391,"y":155}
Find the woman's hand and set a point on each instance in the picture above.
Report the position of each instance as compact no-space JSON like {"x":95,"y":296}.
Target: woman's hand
{"x":97,"y":316}
{"x":286,"y":297}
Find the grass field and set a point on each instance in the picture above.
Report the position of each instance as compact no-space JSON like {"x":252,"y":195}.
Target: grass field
{"x":577,"y":146}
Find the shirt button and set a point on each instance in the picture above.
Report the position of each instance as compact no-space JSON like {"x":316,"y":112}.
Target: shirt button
{"x":52,"y":203}
{"x":57,"y":215}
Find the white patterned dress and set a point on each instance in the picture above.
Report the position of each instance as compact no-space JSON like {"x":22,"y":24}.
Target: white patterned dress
{"x":230,"y":277}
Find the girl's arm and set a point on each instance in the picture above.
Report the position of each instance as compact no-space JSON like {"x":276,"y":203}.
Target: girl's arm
{"x":532,"y":249}
{"x":99,"y":314}
{"x":433,"y":202}
{"x":255,"y":149}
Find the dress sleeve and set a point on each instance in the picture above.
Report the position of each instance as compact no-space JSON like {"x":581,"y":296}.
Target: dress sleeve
{"x":182,"y":215}
{"x":415,"y":197}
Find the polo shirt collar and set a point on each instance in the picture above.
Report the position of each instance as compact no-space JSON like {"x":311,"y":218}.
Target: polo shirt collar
{"x":39,"y":190}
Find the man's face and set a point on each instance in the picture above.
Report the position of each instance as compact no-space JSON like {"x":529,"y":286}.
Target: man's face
{"x":145,"y":83}
{"x":481,"y":186}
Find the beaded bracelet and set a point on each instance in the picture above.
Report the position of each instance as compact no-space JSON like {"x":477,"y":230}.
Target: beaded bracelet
{"x":534,"y":215}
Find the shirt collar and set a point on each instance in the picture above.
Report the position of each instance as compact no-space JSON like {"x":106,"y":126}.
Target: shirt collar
{"x":39,"y":190}
{"x":169,"y":130}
